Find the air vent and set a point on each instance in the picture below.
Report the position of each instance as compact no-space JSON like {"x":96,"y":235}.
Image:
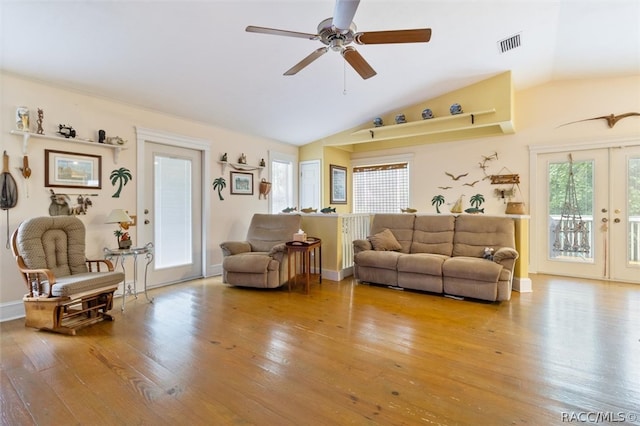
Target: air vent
{"x":509,"y":43}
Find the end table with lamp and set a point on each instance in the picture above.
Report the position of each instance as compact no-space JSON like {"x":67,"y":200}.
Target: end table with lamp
{"x":124,"y":250}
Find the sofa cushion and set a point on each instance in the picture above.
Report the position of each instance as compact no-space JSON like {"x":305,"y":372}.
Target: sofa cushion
{"x":433,"y":234}
{"x":472,"y":269}
{"x":400,"y":224}
{"x":384,"y":240}
{"x":421,"y":263}
{"x":475,"y":232}
{"x":378,"y":259}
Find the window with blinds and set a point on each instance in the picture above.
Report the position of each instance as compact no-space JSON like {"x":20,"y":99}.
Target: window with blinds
{"x":381,"y":188}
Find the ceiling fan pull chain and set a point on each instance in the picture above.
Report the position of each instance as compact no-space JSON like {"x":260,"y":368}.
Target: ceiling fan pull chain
{"x":344,"y":77}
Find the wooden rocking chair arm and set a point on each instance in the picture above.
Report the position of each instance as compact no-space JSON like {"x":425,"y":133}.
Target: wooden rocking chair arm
{"x":98,"y":262}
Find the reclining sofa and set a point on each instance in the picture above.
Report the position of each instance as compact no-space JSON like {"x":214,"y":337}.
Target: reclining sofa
{"x":440,"y":254}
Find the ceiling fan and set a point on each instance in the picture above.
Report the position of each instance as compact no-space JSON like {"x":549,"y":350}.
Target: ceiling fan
{"x":339,"y":31}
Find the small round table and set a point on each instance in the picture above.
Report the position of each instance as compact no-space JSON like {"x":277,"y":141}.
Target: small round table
{"x":120,"y":255}
{"x":305,"y":248}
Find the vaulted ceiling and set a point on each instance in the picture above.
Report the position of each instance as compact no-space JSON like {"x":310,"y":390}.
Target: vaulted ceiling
{"x":194,"y":58}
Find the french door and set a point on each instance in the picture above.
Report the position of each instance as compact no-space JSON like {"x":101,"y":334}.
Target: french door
{"x":587,"y":210}
{"x":170,"y":207}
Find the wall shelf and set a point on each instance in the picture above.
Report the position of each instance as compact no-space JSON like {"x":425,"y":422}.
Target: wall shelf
{"x":28,"y":135}
{"x":417,"y":128}
{"x":240,"y":166}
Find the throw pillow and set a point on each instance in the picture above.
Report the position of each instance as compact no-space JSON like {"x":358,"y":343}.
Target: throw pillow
{"x":384,"y":240}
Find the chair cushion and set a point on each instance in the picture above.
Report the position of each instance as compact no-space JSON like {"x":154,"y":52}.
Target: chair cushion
{"x":384,"y":240}
{"x":82,"y":283}
{"x":251,"y":263}
{"x":56,"y":243}
{"x":267,"y":230}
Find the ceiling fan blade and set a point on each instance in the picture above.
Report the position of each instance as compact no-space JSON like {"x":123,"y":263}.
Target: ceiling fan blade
{"x":306,"y":61}
{"x":419,"y":35}
{"x":343,"y":13}
{"x":273,"y":31}
{"x":358,"y":63}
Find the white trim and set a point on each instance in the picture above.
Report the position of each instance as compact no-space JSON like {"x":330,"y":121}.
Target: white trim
{"x":204,"y":146}
{"x":387,"y":159}
{"x":11,"y":310}
{"x":583,"y":145}
{"x":522,"y":285}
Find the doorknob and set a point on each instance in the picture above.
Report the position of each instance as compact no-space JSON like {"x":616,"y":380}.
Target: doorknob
{"x":146,"y":221}
{"x":604,"y":220}
{"x":616,"y":220}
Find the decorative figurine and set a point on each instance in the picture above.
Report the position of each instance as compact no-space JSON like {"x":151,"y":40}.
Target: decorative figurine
{"x":289,"y":209}
{"x":116,"y":140}
{"x":101,"y":136}
{"x":309,"y":210}
{"x":328,"y":210}
{"x":242,"y":159}
{"x":400,"y":118}
{"x":377,"y":122}
{"x":262,"y":163}
{"x":40,"y":130}
{"x":224,"y":157}
{"x":66,"y":131}
{"x":22,"y":119}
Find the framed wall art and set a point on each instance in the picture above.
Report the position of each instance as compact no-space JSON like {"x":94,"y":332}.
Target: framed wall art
{"x":241,"y":183}
{"x":71,"y":170}
{"x":338,"y":183}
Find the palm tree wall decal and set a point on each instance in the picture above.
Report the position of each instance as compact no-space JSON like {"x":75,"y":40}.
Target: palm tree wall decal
{"x":120,"y":176}
{"x":219,"y":184}
{"x":437,"y":201}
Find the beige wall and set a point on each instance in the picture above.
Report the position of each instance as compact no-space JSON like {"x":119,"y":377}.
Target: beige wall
{"x":87,"y":114}
{"x":538,"y":113}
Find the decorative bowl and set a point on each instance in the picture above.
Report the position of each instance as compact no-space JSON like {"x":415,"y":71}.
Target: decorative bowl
{"x":427,"y":114}
{"x":400,"y":118}
{"x":455,"y":109}
{"x":377,"y":122}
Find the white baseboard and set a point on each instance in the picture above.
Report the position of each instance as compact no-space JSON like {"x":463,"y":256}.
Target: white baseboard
{"x":522,"y":285}
{"x":11,"y":310}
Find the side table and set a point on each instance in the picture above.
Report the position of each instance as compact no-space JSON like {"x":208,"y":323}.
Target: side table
{"x":305,"y":248}
{"x":120,"y":255}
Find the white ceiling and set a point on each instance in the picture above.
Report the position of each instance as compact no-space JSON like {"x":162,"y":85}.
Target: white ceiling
{"x":194,"y":58}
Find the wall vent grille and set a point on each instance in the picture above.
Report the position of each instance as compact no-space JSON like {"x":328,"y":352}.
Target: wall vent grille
{"x":509,"y":43}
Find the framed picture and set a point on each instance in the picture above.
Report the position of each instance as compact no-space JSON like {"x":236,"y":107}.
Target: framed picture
{"x":71,"y":170}
{"x":338,"y":183}
{"x":242,"y":183}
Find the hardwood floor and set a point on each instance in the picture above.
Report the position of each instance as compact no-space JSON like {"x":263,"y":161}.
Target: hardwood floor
{"x":347,"y":353}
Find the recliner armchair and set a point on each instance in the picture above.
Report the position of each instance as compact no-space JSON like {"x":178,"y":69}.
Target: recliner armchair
{"x":66,"y":291}
{"x":260,"y":261}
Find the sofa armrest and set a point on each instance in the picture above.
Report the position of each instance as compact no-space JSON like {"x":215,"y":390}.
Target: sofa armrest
{"x":506,"y":256}
{"x":230,"y":248}
{"x":361,"y":245}
{"x":278,"y":251}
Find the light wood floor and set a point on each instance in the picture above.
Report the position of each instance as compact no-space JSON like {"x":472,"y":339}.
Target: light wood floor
{"x":206,"y":353}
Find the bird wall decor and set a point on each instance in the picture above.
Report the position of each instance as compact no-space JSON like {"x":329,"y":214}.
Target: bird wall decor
{"x":455,"y":177}
{"x":611,"y":118}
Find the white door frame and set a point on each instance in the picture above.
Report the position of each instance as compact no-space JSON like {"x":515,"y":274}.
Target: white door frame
{"x":204,"y":146}
{"x":318,"y":195}
{"x":534,"y":152}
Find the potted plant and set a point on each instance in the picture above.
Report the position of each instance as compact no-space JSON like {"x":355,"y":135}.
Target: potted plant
{"x":124,"y":239}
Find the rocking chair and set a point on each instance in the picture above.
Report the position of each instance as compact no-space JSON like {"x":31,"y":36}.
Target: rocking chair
{"x":66,"y":291}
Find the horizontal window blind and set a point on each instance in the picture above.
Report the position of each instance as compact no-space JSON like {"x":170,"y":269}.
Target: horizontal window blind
{"x":381,"y":188}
